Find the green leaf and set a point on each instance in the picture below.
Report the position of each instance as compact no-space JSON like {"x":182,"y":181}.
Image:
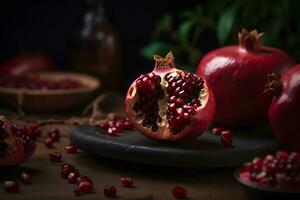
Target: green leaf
{"x":188,"y":14}
{"x":196,"y":34}
{"x":163,"y":24}
{"x":184,"y":30}
{"x":157,"y":47}
{"x":225,"y":24}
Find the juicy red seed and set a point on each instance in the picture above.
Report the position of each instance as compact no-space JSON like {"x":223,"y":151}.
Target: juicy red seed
{"x":54,"y":134}
{"x":179,"y":192}
{"x":110,"y":191}
{"x":55,"y":157}
{"x":72,"y":177}
{"x":65,"y":172}
{"x":218,"y":130}
{"x":67,"y":165}
{"x":282,"y":155}
{"x":11,"y":186}
{"x":226,"y":138}
{"x":48,"y":143}
{"x":71,"y":149}
{"x":25,"y":178}
{"x":85,"y":186}
{"x":127,"y":181}
{"x":84,"y":178}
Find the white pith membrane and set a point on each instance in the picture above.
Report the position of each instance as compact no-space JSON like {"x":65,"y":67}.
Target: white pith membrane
{"x":163,"y":125}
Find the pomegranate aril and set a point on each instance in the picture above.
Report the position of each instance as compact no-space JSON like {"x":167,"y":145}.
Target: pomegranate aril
{"x":110,"y":191}
{"x":226,"y":138}
{"x":218,"y":130}
{"x":11,"y":186}
{"x":55,"y":157}
{"x":84,"y":178}
{"x":85,"y":186}
{"x":54,"y":134}
{"x":25,"y":178}
{"x":49,"y":143}
{"x":179,"y":192}
{"x":72,"y":177}
{"x":71,"y":149}
{"x":127,"y":181}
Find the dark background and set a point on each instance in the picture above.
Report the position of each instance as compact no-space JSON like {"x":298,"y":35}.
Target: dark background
{"x":47,"y":25}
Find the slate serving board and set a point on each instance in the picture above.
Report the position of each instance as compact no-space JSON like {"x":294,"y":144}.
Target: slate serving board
{"x":204,"y":152}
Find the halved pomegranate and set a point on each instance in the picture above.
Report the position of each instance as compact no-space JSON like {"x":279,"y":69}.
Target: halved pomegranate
{"x":15,"y":147}
{"x":170,"y":104}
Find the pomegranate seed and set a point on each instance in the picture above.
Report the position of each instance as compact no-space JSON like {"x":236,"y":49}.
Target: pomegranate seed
{"x":179,"y":192}
{"x":218,"y":130}
{"x":71,"y":149}
{"x":127,"y":181}
{"x":85,"y":186}
{"x":72,"y":177}
{"x":110,"y":191}
{"x":67,"y":170}
{"x":84,"y":178}
{"x":67,"y":165}
{"x":49,"y":143}
{"x":11,"y":186}
{"x":54,"y":134}
{"x":55,"y":156}
{"x":226,"y":138}
{"x":25,"y":178}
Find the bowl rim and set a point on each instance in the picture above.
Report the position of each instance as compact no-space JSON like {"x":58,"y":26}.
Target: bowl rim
{"x":255,"y":186}
{"x":96,"y":83}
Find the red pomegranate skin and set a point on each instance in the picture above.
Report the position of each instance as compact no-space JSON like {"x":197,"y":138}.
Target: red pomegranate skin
{"x":25,"y":63}
{"x":199,"y":122}
{"x":285,"y":109}
{"x":237,"y":75}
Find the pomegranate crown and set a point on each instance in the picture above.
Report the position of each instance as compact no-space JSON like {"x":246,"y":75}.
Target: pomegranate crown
{"x":274,"y":84}
{"x":167,"y":61}
{"x":250,"y":40}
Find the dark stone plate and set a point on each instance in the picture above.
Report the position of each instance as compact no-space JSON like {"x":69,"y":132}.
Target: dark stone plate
{"x":204,"y":152}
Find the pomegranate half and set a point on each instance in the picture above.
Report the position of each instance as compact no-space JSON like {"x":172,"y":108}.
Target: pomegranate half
{"x":170,"y":104}
{"x":237,"y":76}
{"x":285,"y":108}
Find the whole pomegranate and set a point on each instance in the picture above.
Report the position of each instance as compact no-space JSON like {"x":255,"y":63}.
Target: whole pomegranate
{"x":15,"y":146}
{"x":24,"y":64}
{"x":237,"y":75}
{"x":170,"y":104}
{"x":285,"y":108}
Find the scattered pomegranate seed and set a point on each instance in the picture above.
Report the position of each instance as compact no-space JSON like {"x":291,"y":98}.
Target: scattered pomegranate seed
{"x":11,"y":186}
{"x":127,"y":181}
{"x":226,"y":138}
{"x":55,"y":156}
{"x":72,"y":177}
{"x":179,"y":192}
{"x":71,"y":149}
{"x":54,"y":134}
{"x":49,"y":143}
{"x":110,"y":191}
{"x":85,"y":186}
{"x":116,"y":125}
{"x":281,"y":169}
{"x":67,"y":165}
{"x":66,"y":171}
{"x":25,"y":178}
{"x":218,"y":130}
{"x":84,"y":178}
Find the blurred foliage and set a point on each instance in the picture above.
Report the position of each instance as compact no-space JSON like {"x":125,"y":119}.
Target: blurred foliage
{"x":215,"y":23}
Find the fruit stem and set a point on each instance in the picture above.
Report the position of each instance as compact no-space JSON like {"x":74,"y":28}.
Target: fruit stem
{"x":250,"y":40}
{"x":274,"y":84}
{"x":167,"y":62}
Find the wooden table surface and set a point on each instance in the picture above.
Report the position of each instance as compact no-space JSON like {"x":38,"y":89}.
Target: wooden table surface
{"x":150,"y":182}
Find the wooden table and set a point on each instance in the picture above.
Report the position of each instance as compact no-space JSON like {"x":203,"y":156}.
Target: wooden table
{"x":150,"y":182}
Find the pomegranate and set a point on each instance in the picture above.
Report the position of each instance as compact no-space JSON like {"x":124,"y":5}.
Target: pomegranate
{"x":237,"y":75}
{"x":15,"y":146}
{"x":170,"y":104}
{"x":24,"y":64}
{"x":285,"y":108}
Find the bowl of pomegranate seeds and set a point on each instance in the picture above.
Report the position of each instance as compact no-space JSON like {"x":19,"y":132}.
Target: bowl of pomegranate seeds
{"x":279,"y":173}
{"x":48,"y":91}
